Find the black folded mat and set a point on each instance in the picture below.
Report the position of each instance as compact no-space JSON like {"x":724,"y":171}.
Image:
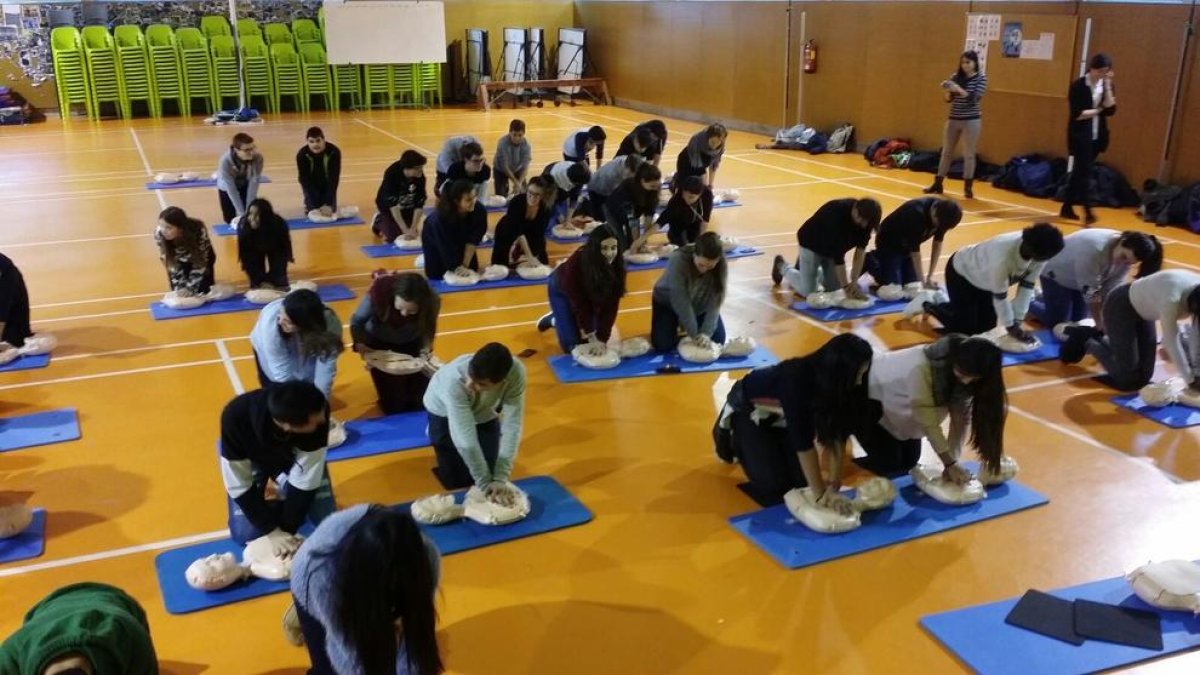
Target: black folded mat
{"x":1121,"y":625}
{"x":1047,"y":615}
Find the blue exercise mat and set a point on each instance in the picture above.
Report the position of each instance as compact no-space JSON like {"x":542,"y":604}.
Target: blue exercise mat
{"x":392,"y":251}
{"x":1174,"y":416}
{"x":44,"y":428}
{"x":26,"y":363}
{"x":199,"y":183}
{"x":661,"y":263}
{"x":552,"y":508}
{"x":513,"y":281}
{"x":381,"y":435}
{"x":569,"y":372}
{"x":831,"y":314}
{"x":239,"y":303}
{"x":1046,"y":351}
{"x":30,"y":543}
{"x":979,"y":636}
{"x":224,"y":230}
{"x":911,"y":516}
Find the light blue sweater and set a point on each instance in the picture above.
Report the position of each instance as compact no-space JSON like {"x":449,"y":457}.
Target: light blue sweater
{"x":279,"y":354}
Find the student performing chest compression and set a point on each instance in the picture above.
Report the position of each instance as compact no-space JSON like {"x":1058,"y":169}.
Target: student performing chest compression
{"x":186,"y":252}
{"x":319,"y":167}
{"x":398,"y":315}
{"x":896,"y":263}
{"x":585,"y":294}
{"x":400,"y":199}
{"x":453,"y":232}
{"x":239,"y":173}
{"x":521,"y":232}
{"x":838,"y":227}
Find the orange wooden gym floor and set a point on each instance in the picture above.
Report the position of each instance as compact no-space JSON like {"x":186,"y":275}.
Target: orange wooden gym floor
{"x":658,"y":582}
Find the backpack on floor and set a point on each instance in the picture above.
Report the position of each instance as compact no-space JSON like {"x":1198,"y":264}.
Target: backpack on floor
{"x":840,"y":139}
{"x":924,"y":160}
{"x":818,"y":144}
{"x":872,"y":148}
{"x":1193,"y":219}
{"x":1156,"y":202}
{"x":883,"y":156}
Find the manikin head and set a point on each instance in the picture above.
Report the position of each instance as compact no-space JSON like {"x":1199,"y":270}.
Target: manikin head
{"x":215,"y":572}
{"x":488,"y":368}
{"x":315,"y":138}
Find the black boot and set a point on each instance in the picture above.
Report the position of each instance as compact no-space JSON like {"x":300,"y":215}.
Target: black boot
{"x":1068,"y":212}
{"x":777,"y":268}
{"x":545,"y":323}
{"x":936,"y":188}
{"x":1088,"y":216}
{"x":967,"y":191}
{"x":723,"y":443}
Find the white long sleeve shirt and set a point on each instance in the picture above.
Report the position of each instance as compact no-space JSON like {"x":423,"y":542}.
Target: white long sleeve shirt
{"x":995,"y":265}
{"x":1162,"y":297}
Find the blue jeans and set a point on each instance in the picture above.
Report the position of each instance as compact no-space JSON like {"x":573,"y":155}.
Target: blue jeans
{"x":895,"y":267}
{"x":242,"y":530}
{"x":1058,"y":304}
{"x":564,"y":318}
{"x":812,"y":272}
{"x":664,"y":327}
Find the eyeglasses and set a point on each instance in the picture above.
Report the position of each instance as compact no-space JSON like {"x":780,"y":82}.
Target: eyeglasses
{"x":535,"y":193}
{"x":249,"y":149}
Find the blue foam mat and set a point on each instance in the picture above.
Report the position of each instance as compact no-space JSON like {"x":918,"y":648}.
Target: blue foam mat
{"x":26,"y":363}
{"x":44,"y":428}
{"x":979,"y":636}
{"x":381,"y":435}
{"x":661,"y":263}
{"x":30,"y":543}
{"x":238,"y":303}
{"x":200,"y":183}
{"x":911,"y":516}
{"x":552,"y":508}
{"x":1174,"y":416}
{"x":831,"y":314}
{"x":513,"y":281}
{"x":391,"y":251}
{"x":1046,"y":351}
{"x":224,"y":230}
{"x":569,"y":372}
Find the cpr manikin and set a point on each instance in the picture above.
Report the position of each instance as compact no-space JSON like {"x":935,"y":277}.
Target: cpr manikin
{"x":183,"y":300}
{"x":838,"y":298}
{"x":612,"y":355}
{"x":222,"y":570}
{"x":727,"y":197}
{"x":502,"y":507}
{"x":1010,"y":344}
{"x":871,"y":495}
{"x":14,"y":519}
{"x":1173,"y":391}
{"x":533,"y":270}
{"x":929,"y":480}
{"x":316,"y":216}
{"x":896,"y":292}
{"x":471,"y":277}
{"x":737,"y":347}
{"x":1170,"y":584}
{"x":263,"y":296}
{"x":36,"y":345}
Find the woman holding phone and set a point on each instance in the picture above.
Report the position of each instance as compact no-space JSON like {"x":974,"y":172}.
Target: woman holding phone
{"x":962,"y":91}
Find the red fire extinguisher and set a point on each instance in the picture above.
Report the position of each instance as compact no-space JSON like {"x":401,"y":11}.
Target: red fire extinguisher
{"x":810,"y":56}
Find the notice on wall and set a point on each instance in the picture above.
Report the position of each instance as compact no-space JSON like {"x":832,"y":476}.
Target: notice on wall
{"x":980,"y":47}
{"x":1041,"y":49}
{"x":983,"y":27}
{"x":1013,"y":37}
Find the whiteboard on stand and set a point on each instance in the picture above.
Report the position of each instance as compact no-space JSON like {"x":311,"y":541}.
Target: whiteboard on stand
{"x":385,"y":31}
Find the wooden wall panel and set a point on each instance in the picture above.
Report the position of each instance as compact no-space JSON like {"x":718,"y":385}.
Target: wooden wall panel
{"x":758,"y":60}
{"x":1185,"y":151}
{"x":496,"y":15}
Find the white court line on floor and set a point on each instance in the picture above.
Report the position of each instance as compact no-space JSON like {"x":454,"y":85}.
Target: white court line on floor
{"x":115,"y":553}
{"x":131,"y":371}
{"x":230,"y":370}
{"x":1051,"y":383}
{"x":392,"y":136}
{"x":162,"y":199}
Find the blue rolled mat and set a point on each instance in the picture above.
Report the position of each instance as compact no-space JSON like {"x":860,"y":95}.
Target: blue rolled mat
{"x":552,"y":508}
{"x":30,"y":543}
{"x":199,"y":183}
{"x":224,"y":230}
{"x":661,"y":263}
{"x":26,"y":363}
{"x":392,"y":251}
{"x":979,"y":636}
{"x":239,"y":303}
{"x":513,"y":281}
{"x":1174,"y":416}
{"x":44,"y":428}
{"x":380,"y":435}
{"x":831,"y":314}
{"x":569,"y":372}
{"x":1046,"y":351}
{"x":911,"y":516}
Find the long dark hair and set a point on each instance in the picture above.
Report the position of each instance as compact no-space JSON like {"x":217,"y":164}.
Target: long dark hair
{"x":190,"y":230}
{"x":960,"y":76}
{"x":1146,"y":249}
{"x":602,"y":281}
{"x":835,"y":368}
{"x":306,"y":311}
{"x":383,"y":573}
{"x":645,"y":202}
{"x":707,"y":245}
{"x":549,"y":190}
{"x":267,"y":218}
{"x":980,"y":358}
{"x":452,"y":194}
{"x":410,"y":287}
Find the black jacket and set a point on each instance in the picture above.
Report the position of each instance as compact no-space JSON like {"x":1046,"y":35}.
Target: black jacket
{"x":1079,"y":132}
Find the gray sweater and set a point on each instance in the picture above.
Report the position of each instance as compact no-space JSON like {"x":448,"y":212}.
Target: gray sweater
{"x":312,"y":581}
{"x":608,"y":177}
{"x":509,"y":157}
{"x":231,"y":173}
{"x":687,"y":297}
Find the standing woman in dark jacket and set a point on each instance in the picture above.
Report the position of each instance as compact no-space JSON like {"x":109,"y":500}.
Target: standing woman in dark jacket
{"x":398,"y":314}
{"x":962,"y":91}
{"x":265,"y":246}
{"x":521,"y":233}
{"x":454,"y":231}
{"x":1092,"y":102}
{"x":585,"y":293}
{"x":688,"y":211}
{"x":186,"y":251}
{"x":630,"y":209}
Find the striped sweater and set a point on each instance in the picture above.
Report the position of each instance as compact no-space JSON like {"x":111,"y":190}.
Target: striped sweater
{"x":967,"y":107}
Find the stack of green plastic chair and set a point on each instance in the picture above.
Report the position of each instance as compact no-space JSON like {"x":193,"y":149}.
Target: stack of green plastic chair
{"x":314,"y":67}
{"x":377,"y":80}
{"x":256,"y":68}
{"x":277,"y":33}
{"x":226,"y":82}
{"x":212,"y":26}
{"x":104,"y":72}
{"x":305,"y":32}
{"x":321,"y":17}
{"x":429,"y":82}
{"x":347,"y":82}
{"x":70,"y":73}
{"x":248,"y":28}
{"x":135,"y":68}
{"x":197,"y":65}
{"x":285,"y":73}
{"x":404,"y":81}
{"x":165,"y":75}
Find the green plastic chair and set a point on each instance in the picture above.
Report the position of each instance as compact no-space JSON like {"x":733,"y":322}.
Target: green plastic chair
{"x":226,"y":82}
{"x":347,"y":81}
{"x":136,"y":83}
{"x":377,"y":81}
{"x":104,"y":72}
{"x":165,"y":73}
{"x":429,"y":83}
{"x":277,"y":33}
{"x":305,"y":31}
{"x":321,"y":18}
{"x":404,"y":81}
{"x":256,"y":68}
{"x":70,"y":72}
{"x":248,"y":28}
{"x":212,"y":26}
{"x":314,"y":68}
{"x":286,"y":76}
{"x":196,"y":64}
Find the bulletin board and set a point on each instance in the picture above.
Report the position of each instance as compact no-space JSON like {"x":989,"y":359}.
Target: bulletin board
{"x":1046,"y":64}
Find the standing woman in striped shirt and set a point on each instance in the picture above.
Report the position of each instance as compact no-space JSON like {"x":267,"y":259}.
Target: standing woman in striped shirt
{"x":962,"y":91}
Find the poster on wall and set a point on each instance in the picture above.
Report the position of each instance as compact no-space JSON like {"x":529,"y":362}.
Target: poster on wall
{"x":984,"y":27}
{"x":1041,"y":49}
{"x":1013,"y":37}
{"x":980,"y":47}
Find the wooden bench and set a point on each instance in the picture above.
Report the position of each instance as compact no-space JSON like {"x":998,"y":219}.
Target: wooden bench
{"x":487,"y":96}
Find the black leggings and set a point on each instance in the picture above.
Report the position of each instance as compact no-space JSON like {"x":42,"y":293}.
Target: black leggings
{"x":764,"y":452}
{"x":970,"y":310}
{"x":886,"y":455}
{"x":451,"y":469}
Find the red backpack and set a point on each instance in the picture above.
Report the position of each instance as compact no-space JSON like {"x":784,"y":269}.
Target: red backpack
{"x":883,"y":155}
